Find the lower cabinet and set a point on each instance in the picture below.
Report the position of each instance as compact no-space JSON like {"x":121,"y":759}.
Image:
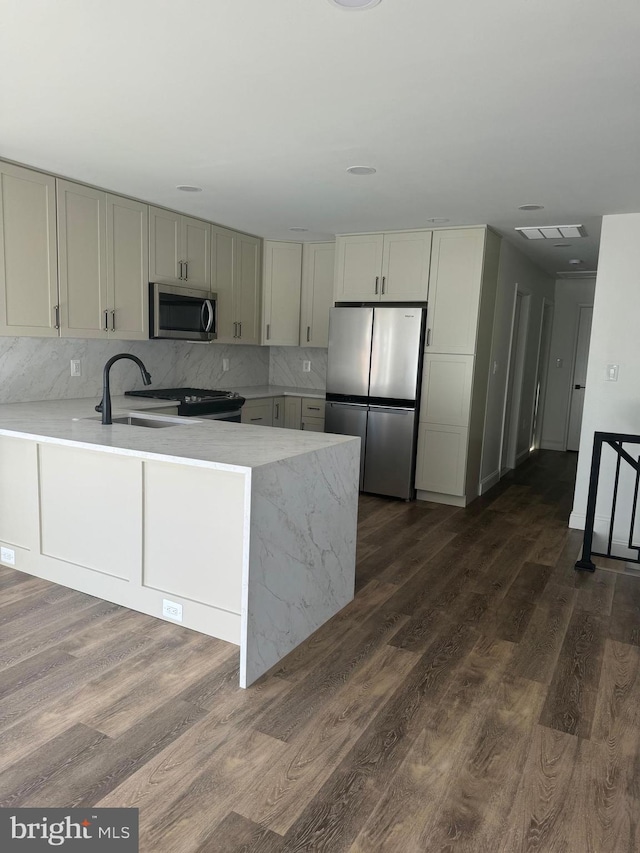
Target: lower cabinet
{"x":292,"y":412}
{"x":278,"y":411}
{"x":442,"y":459}
{"x":258,"y":412}
{"x":289,"y":412}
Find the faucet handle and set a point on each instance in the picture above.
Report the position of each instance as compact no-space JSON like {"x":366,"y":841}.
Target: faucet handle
{"x":98,"y":408}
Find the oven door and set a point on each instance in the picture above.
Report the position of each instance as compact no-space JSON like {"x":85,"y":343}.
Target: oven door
{"x":182,"y":313}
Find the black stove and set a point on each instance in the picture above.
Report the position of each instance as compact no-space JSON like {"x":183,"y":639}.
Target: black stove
{"x":196,"y":401}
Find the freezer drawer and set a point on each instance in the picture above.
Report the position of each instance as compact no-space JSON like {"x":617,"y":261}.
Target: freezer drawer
{"x":346,"y":419}
{"x":390,"y":452}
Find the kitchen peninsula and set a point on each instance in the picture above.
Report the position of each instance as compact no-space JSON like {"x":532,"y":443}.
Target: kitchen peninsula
{"x":248,"y":533}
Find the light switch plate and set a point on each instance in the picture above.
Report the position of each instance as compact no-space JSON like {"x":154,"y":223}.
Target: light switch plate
{"x":76,"y":367}
{"x":306,"y":367}
{"x":612,"y":372}
{"x":225,"y":364}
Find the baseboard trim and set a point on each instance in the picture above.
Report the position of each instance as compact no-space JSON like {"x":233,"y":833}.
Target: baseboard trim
{"x":489,"y":481}
{"x":438,"y":498}
{"x":553,"y":445}
{"x":522,"y":457}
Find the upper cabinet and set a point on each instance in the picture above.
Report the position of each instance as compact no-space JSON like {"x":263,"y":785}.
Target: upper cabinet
{"x":179,"y":249}
{"x":281,"y":293}
{"x":28,"y":254}
{"x":103,"y":264}
{"x":318,"y":268}
{"x":236,"y":280}
{"x":391,"y":267}
{"x":454,"y":290}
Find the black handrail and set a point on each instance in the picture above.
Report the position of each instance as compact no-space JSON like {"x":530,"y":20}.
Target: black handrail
{"x":615,"y":440}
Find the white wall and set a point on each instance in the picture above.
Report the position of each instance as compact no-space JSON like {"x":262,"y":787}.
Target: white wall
{"x":515,"y":269}
{"x":38,"y":368}
{"x":569,"y":296}
{"x":612,"y":406}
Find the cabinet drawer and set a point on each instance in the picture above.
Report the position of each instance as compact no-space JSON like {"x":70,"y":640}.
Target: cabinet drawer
{"x":313,"y":424}
{"x":312,"y":408}
{"x":446,"y":389}
{"x":258,"y":413}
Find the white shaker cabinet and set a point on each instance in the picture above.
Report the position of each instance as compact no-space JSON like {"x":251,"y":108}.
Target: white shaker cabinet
{"x":391,"y":267}
{"x":236,"y":280}
{"x":28,"y":253}
{"x":318,"y":269}
{"x":179,"y":249}
{"x":127,"y":269}
{"x":281,"y":293}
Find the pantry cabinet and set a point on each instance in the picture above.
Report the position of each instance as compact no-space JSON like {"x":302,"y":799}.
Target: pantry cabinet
{"x":391,"y":267}
{"x":28,"y":253}
{"x":318,"y":268}
{"x":281,"y":293}
{"x":179,"y":249}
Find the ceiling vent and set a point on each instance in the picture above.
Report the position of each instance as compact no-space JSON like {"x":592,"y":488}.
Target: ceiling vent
{"x":576,"y":274}
{"x":552,"y":232}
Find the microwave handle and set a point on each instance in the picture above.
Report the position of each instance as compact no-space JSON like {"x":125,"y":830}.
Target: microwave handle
{"x":212,"y":315}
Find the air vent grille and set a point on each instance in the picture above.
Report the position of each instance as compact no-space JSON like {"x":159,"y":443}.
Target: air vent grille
{"x":552,"y":232}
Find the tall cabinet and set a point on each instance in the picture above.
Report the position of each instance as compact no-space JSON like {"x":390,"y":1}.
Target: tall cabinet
{"x":462,"y":294}
{"x":236,"y":280}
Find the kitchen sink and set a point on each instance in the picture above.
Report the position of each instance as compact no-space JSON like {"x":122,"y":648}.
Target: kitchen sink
{"x":148,"y":421}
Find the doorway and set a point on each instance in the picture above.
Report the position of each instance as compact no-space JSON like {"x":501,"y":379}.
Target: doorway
{"x":576,"y":406}
{"x":543,"y":371}
{"x":515,"y":374}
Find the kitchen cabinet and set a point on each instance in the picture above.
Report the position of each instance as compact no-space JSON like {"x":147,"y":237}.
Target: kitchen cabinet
{"x":103,"y":264}
{"x":179,"y":249}
{"x":462,"y":294}
{"x":293,"y":412}
{"x":282,"y":279}
{"x":390,"y":267}
{"x":312,"y":414}
{"x":454,"y":290}
{"x":258,"y":412}
{"x":278,"y":411}
{"x":28,"y":253}
{"x":236,"y":280}
{"x":318,"y":270}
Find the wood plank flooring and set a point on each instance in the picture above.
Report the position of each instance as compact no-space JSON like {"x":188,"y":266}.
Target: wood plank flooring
{"x":477,"y":695}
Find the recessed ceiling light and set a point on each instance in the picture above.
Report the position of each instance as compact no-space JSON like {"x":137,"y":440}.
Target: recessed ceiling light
{"x":531,"y":207}
{"x":297,"y":228}
{"x":187,"y":188}
{"x":438,"y":220}
{"x":355,"y":4}
{"x":361,"y":170}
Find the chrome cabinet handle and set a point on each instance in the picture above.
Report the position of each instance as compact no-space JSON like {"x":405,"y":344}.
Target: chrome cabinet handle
{"x":268,"y":330}
{"x":239,"y":330}
{"x":377,"y":280}
{"x":106,"y":321}
{"x":256,"y":419}
{"x":277,"y":411}
{"x":186,"y":270}
{"x":180,"y":272}
{"x":308,"y":333}
{"x":384,"y":278}
{"x":313,"y":408}
{"x":428,"y":336}
{"x":235,"y":330}
{"x":113,"y":321}
{"x":56,"y":311}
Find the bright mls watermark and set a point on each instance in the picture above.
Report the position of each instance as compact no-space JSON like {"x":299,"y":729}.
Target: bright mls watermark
{"x":79,"y":830}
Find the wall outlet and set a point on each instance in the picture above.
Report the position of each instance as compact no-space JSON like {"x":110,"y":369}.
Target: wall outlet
{"x":8,"y":556}
{"x":76,"y":367}
{"x":171,"y":610}
{"x":612,"y":372}
{"x":225,"y":364}
{"x":306,"y":367}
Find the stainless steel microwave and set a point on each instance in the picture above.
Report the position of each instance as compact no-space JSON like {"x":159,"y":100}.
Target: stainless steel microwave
{"x":182,"y":313}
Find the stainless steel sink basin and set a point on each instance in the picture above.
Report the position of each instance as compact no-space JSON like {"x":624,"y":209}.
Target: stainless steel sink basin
{"x":148,"y":421}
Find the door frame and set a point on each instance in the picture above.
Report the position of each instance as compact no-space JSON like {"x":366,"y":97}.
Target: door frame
{"x":525,"y":305}
{"x":537,"y":418}
{"x":567,"y":414}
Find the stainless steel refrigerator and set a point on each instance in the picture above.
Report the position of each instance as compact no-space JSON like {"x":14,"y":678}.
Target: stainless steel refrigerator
{"x":373,"y":387}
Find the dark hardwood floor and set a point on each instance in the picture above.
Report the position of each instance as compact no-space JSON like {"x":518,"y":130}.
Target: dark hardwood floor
{"x":477,"y":695}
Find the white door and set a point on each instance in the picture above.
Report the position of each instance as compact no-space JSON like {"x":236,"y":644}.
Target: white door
{"x":405,"y":267}
{"x":579,"y":377}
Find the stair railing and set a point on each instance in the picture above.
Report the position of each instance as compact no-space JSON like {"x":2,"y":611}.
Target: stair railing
{"x":615,"y":440}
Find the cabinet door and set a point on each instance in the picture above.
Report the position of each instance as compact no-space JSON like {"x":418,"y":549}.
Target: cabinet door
{"x":165,"y":238}
{"x":247,"y":287}
{"x":446,"y":389}
{"x":278,"y":411}
{"x":454,"y":290}
{"x":293,"y":412}
{"x":359,"y":268}
{"x":258,"y":412}
{"x":223,"y":244}
{"x":312,"y":424}
{"x":28,"y":253}
{"x":196,"y":253}
{"x":318,"y":269}
{"x":127,"y":269}
{"x":405,"y":267}
{"x":312,"y":408}
{"x":82,"y":260}
{"x":281,"y":293}
{"x":442,"y":459}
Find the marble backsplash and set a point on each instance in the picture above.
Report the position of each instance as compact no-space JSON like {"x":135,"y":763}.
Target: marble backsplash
{"x":39,"y":368}
{"x":286,"y":367}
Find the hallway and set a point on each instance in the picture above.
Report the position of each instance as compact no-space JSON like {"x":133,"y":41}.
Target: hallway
{"x":477,"y":695}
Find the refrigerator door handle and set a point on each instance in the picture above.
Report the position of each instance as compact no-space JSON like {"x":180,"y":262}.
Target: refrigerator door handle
{"x":348,"y":405}
{"x":398,"y":410}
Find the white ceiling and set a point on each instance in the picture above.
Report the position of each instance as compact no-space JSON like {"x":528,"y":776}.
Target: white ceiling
{"x":467,"y":109}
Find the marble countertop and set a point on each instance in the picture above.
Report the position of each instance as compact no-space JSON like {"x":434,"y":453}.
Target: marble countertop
{"x":211,"y":444}
{"x":254,"y":392}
